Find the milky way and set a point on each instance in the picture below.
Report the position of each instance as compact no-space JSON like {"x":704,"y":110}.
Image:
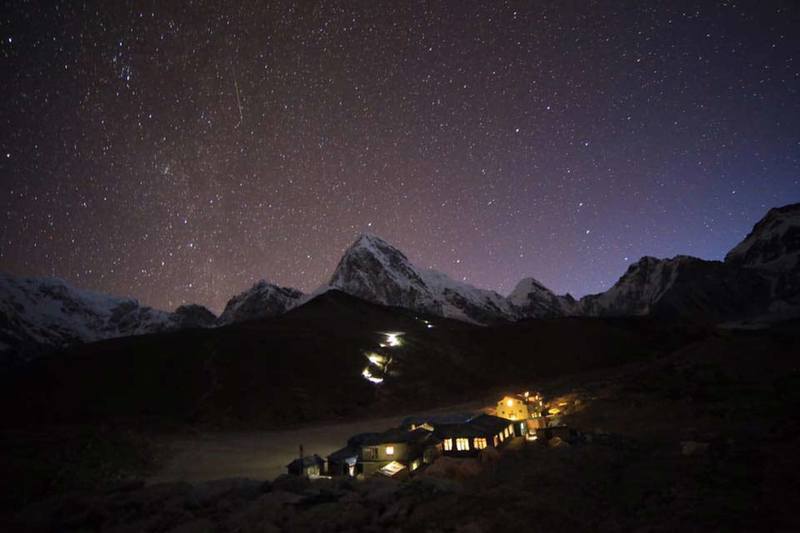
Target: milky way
{"x":179,"y":151}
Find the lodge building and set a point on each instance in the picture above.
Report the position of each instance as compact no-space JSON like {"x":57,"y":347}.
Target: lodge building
{"x":399,"y":452}
{"x":479,"y":433}
{"x":393,"y":452}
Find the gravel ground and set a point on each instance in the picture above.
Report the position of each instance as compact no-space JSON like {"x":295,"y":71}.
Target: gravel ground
{"x":263,"y":454}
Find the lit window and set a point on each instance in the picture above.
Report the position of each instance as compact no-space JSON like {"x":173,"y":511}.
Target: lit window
{"x":462,"y":444}
{"x":502,"y":437}
{"x":448,"y":444}
{"x":496,"y":441}
{"x":369,"y":454}
{"x":390,"y":450}
{"x":479,"y":443}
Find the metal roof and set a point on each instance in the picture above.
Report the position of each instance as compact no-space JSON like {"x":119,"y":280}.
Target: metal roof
{"x":482,"y":425}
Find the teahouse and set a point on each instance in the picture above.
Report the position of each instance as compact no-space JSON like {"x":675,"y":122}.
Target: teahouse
{"x":343,"y":462}
{"x":522,"y":407}
{"x":309,"y":466}
{"x":398,"y":452}
{"x":469,"y":438}
{"x":398,"y":449}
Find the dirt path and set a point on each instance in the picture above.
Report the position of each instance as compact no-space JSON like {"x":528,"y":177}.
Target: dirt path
{"x":263,"y":454}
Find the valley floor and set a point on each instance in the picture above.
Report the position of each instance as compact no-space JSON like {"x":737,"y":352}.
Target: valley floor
{"x":262,"y":454}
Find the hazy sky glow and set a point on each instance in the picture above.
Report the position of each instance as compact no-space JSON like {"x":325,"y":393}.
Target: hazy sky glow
{"x":181,"y":154}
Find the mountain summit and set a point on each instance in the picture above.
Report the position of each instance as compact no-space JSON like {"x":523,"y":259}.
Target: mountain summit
{"x":774,"y":242}
{"x":532,"y":299}
{"x":374,"y":270}
{"x":262,"y":300}
{"x":37,"y":314}
{"x":759,"y":279}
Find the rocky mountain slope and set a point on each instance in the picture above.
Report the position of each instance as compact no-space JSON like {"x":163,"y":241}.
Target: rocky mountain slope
{"x":41,"y":313}
{"x":773,"y":244}
{"x":374,"y":270}
{"x":532,"y":299}
{"x":262,"y":300}
{"x":760,"y":278}
{"x":682,"y":287}
{"x":773,"y":250}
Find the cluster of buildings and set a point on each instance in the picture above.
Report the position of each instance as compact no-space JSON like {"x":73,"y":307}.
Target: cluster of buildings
{"x":419,"y":441}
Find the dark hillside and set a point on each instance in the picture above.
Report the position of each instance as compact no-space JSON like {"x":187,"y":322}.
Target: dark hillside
{"x":700,"y":439}
{"x":306,"y":366}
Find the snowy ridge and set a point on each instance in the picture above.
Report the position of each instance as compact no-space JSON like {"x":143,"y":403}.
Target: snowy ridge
{"x":774,"y":242}
{"x":532,"y":299}
{"x":262,"y":300}
{"x":759,"y":278}
{"x":464,"y":302}
{"x":47,"y":312}
{"x":642,"y":285}
{"x":772,"y":249}
{"x":374,"y":270}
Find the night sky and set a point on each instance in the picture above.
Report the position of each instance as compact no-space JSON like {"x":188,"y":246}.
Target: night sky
{"x":179,"y":151}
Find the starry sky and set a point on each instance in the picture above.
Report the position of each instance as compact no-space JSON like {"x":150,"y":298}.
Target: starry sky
{"x":179,"y":151}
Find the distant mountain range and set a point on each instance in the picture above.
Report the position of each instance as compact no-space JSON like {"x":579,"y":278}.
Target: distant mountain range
{"x":759,"y":279}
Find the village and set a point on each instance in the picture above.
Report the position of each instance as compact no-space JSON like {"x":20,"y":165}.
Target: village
{"x":418,"y":441}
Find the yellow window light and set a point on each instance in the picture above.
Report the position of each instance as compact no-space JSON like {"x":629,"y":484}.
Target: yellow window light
{"x":390,"y":450}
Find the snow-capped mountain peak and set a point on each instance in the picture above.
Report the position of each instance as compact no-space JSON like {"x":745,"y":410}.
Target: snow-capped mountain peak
{"x":463,"y":301}
{"x":638,"y":289}
{"x":774,"y":242}
{"x":532,"y":299}
{"x":374,"y":270}
{"x":262,"y":300}
{"x":39,"y":313}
